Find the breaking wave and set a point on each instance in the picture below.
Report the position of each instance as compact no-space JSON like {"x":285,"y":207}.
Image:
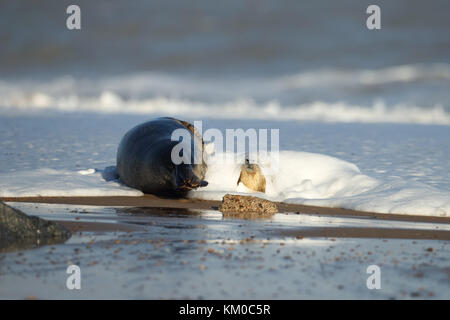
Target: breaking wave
{"x":316,"y":96}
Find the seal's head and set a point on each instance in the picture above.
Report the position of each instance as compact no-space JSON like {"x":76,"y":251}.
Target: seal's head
{"x":252,"y":177}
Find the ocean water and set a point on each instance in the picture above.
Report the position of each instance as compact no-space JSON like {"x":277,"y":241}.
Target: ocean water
{"x":370,"y":105}
{"x":289,"y":60}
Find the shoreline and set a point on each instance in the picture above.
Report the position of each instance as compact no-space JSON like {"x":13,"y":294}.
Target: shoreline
{"x":152,"y":201}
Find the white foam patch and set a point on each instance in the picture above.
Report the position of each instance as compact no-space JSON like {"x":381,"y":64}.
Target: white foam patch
{"x":299,"y":178}
{"x":60,"y":183}
{"x":398,"y":197}
{"x":320,"y":180}
{"x":309,"y":175}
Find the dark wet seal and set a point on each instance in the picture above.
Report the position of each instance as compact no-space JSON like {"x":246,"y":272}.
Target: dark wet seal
{"x":145,"y":158}
{"x":20,"y":231}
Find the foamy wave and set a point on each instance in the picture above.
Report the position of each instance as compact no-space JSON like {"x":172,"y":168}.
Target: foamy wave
{"x":109,"y":102}
{"x":252,"y":98}
{"x":404,"y":73}
{"x":321,"y":180}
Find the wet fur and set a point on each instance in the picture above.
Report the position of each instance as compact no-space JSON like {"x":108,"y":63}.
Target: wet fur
{"x":144,"y":160}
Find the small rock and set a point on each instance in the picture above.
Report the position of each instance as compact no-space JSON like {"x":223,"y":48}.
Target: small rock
{"x":247,"y":206}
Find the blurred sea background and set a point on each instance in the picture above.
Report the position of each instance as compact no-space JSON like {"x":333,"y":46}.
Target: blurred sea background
{"x":304,"y":60}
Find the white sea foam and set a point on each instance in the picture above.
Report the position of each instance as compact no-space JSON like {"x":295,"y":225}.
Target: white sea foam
{"x":390,"y":197}
{"x":316,"y":179}
{"x":302,"y":178}
{"x":257,"y":98}
{"x":59,"y":183}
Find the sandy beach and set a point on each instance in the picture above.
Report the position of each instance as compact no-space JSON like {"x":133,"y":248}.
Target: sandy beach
{"x":189,"y":250}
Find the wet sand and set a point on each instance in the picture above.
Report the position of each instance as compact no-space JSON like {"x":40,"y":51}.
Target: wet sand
{"x":154,"y":248}
{"x":156,"y":205}
{"x":316,"y":232}
{"x":152,"y":201}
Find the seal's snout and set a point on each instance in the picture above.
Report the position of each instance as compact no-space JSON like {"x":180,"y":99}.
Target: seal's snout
{"x":194,"y":184}
{"x":186,"y":179}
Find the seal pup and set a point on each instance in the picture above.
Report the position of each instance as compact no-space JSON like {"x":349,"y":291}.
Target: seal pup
{"x":144,"y":159}
{"x":252,"y":177}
